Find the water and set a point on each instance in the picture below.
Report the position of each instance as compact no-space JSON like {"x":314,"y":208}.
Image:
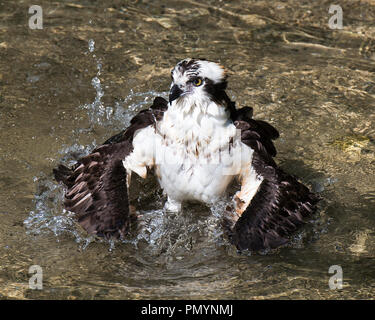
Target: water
{"x":67,"y":88}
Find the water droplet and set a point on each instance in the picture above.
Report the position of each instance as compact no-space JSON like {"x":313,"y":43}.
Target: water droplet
{"x":91,"y":45}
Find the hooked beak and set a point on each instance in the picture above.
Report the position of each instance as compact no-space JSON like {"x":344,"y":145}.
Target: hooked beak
{"x":174,"y":93}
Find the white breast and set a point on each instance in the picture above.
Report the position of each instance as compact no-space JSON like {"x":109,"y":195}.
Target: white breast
{"x":196,"y":152}
{"x":200,"y":153}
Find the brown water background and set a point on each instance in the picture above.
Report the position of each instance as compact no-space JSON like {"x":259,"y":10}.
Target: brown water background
{"x":68,"y":87}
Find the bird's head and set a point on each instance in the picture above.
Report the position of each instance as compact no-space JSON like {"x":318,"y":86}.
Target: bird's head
{"x":197,"y":80}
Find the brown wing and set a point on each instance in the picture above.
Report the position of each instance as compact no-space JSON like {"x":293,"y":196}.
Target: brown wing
{"x":280,"y":203}
{"x":97,"y":187}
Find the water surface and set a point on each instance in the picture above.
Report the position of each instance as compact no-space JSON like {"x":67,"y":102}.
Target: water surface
{"x":70,"y":86}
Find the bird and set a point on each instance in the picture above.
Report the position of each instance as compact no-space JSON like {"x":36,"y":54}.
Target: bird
{"x":196,"y":144}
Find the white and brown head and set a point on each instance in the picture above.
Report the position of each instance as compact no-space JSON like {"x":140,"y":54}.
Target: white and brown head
{"x":198,"y":81}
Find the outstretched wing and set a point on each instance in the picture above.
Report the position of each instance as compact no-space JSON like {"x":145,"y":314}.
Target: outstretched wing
{"x":97,"y":190}
{"x":279,"y":203}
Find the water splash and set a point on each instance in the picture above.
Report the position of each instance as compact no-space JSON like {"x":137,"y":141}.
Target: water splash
{"x":171,"y":234}
{"x":70,"y":154}
{"x":120,"y":114}
{"x":49,"y":216}
{"x":91,"y":45}
{"x":97,"y":111}
{"x":134,"y":102}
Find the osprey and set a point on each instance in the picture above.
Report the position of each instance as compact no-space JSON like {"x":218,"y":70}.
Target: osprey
{"x":196,"y":144}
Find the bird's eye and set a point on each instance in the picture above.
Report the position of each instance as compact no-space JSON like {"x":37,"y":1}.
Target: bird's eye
{"x":197,"y":82}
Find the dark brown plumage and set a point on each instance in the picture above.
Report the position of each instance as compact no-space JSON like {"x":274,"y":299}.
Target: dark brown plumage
{"x":281,"y":202}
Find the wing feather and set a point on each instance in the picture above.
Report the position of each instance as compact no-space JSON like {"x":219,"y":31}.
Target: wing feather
{"x":281,"y":202}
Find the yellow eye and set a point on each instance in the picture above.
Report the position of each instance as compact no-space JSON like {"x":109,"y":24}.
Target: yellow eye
{"x":197,"y":82}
